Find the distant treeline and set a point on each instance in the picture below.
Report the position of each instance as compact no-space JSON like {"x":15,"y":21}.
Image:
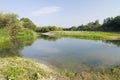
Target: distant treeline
{"x":109,"y":24}
{"x":12,"y":24}
{"x":48,"y":28}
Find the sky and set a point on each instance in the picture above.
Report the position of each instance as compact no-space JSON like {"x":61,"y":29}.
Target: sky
{"x":62,"y":13}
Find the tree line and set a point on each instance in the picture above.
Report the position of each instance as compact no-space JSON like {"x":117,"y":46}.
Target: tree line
{"x":48,"y":28}
{"x":12,"y":24}
{"x":109,"y":24}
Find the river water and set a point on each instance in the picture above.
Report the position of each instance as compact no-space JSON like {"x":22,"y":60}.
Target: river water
{"x":74,"y":54}
{"x":66,"y":53}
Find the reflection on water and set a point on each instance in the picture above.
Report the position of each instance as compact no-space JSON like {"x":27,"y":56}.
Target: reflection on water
{"x":49,"y":38}
{"x":13,"y":47}
{"x":115,"y":42}
{"x":74,"y":54}
{"x":69,"y":53}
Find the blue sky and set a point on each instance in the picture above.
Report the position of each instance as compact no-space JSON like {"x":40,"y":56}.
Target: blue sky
{"x":62,"y":13}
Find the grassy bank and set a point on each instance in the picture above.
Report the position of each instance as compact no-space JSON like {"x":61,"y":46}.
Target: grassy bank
{"x":16,"y":68}
{"x":87,"y":35}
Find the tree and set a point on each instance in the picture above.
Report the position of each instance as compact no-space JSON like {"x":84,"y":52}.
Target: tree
{"x":27,"y":23}
{"x":73,"y":28}
{"x":116,"y":23}
{"x":7,"y":19}
{"x":10,"y":23}
{"x":111,"y":24}
{"x":13,"y":29}
{"x":48,"y":28}
{"x":92,"y":26}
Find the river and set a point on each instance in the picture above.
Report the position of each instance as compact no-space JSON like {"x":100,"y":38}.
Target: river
{"x":68,"y":53}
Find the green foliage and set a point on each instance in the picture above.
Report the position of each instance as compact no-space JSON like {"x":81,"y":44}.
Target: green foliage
{"x":7,"y":19}
{"x":67,"y":73}
{"x":4,"y":36}
{"x":73,"y":28}
{"x":111,"y":24}
{"x":10,"y":23}
{"x":27,"y":23}
{"x":16,"y":68}
{"x":115,"y":72}
{"x":87,"y":35}
{"x":92,"y":26}
{"x":26,"y":34}
{"x":48,"y":28}
{"x":11,"y":27}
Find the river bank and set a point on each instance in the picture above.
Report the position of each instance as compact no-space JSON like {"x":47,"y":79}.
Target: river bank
{"x":85,"y":35}
{"x":16,"y":68}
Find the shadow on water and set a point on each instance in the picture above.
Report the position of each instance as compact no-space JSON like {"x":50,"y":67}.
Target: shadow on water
{"x":114,"y":42}
{"x":55,"y":38}
{"x":49,"y":38}
{"x":13,"y":47}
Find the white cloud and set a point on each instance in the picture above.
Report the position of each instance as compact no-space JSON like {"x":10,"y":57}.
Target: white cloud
{"x":46,"y":10}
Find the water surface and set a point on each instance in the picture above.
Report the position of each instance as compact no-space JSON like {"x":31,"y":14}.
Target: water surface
{"x":66,"y":53}
{"x":74,"y":54}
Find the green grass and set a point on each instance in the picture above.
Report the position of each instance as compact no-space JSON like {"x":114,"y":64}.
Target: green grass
{"x":88,"y":35}
{"x":16,"y":68}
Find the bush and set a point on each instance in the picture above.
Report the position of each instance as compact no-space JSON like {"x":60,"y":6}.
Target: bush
{"x":26,"y":34}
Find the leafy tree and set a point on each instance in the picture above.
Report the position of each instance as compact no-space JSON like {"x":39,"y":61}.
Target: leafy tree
{"x":7,"y":19}
{"x":48,"y":28}
{"x":111,"y":24}
{"x":10,"y":23}
{"x":92,"y":26}
{"x":73,"y":28}
{"x":27,"y":23}
{"x":13,"y":29}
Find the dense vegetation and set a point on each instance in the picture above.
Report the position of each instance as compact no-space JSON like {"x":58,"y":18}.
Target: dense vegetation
{"x":92,"y":35}
{"x":92,"y":26}
{"x":109,"y":24}
{"x":48,"y":28}
{"x":11,"y":27}
{"x":27,"y":23}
